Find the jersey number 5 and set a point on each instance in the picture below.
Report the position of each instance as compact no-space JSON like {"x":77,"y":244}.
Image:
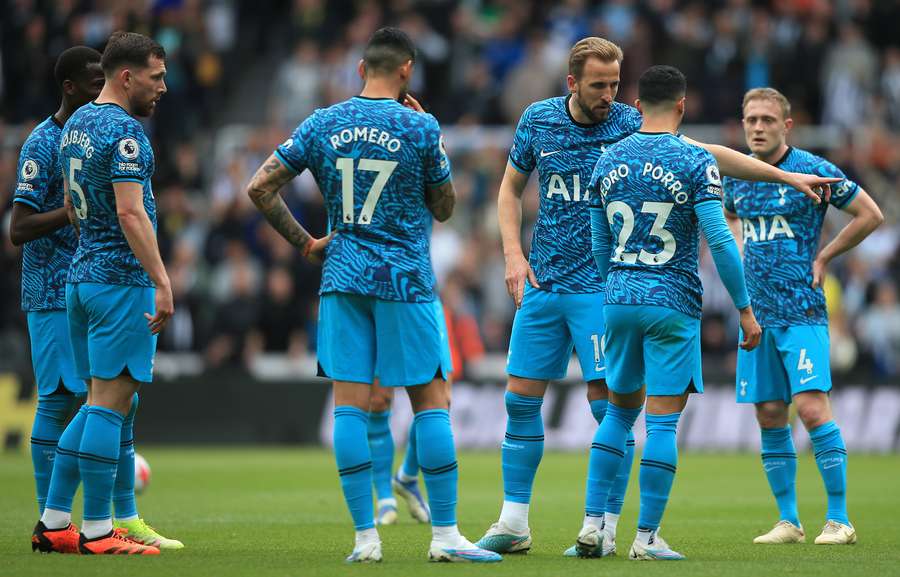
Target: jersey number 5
{"x":383,"y":168}
{"x":661,"y":210}
{"x":81,"y":209}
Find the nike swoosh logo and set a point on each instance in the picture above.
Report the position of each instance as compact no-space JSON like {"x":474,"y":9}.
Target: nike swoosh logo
{"x":738,"y":199}
{"x":832,"y":466}
{"x":808,"y":379}
{"x":599,"y":369}
{"x":552,"y":152}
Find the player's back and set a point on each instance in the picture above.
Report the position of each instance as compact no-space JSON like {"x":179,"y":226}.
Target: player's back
{"x":103,"y":144}
{"x":45,"y":260}
{"x":372,"y":160}
{"x":781,"y":226}
{"x":649,"y":184}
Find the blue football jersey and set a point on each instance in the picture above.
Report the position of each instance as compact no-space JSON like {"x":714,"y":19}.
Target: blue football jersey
{"x":781,"y":229}
{"x":648,"y":185}
{"x":372,"y":159}
{"x":103,"y":144}
{"x":564,"y":153}
{"x":45,"y":260}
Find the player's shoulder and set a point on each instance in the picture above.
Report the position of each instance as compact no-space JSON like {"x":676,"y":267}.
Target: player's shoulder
{"x":625,"y":116}
{"x":801,"y":160}
{"x":44,"y":139}
{"x":548,"y":108}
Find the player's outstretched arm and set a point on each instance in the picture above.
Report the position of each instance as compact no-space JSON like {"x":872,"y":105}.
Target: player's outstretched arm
{"x":866,"y":218}
{"x":737,"y":165}
{"x":509,"y":213}
{"x":263,"y":190}
{"x":440,"y":200}
{"x":141,"y":237}
{"x":27,"y":224}
{"x":728,"y":264}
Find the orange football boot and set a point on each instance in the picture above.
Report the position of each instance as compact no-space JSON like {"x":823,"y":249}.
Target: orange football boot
{"x":63,"y":540}
{"x":113,"y":543}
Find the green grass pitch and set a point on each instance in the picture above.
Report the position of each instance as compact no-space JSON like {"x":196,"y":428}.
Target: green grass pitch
{"x":279,"y":512}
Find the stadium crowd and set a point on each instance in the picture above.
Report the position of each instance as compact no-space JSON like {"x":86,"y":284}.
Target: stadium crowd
{"x":241,"y":75}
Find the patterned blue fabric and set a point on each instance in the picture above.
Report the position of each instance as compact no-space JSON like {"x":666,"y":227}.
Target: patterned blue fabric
{"x":103,"y":144}
{"x":45,"y":260}
{"x":781,"y":238}
{"x":372,"y":159}
{"x":564,"y":151}
{"x":648,"y":185}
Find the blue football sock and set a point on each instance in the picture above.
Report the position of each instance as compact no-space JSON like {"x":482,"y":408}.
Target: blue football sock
{"x":779,"y":459}
{"x":607,"y":455}
{"x":98,"y":459}
{"x":620,"y":485}
{"x":381,"y":446}
{"x":411,"y":460}
{"x":354,"y":463}
{"x":657,"y":469}
{"x":66,"y":474}
{"x":123,"y":491}
{"x":437,"y":459}
{"x":49,"y":423}
{"x":831,"y":457}
{"x":523,"y":446}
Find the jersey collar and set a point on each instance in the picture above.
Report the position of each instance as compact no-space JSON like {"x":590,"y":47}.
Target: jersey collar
{"x":784,"y":156}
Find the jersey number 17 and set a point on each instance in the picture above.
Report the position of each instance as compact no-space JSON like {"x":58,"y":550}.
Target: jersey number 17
{"x":383,"y":170}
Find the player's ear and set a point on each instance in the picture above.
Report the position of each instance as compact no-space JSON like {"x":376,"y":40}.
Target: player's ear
{"x":68,"y":87}
{"x":361,"y":69}
{"x":788,"y":124}
{"x":637,"y":104}
{"x":571,"y":82}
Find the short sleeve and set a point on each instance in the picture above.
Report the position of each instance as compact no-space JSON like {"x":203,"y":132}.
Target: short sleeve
{"x":437,"y":164}
{"x":842,"y":193}
{"x":294,"y":152}
{"x":707,"y":181}
{"x":33,"y":172}
{"x":521,"y":155}
{"x":728,"y":194}
{"x":132,"y":156}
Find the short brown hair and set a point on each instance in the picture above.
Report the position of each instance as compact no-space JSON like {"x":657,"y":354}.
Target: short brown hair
{"x":129,"y":49}
{"x":592,"y":47}
{"x":768,"y":94}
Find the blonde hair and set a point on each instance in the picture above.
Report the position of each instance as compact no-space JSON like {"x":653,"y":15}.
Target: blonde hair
{"x":592,"y":47}
{"x":768,"y":94}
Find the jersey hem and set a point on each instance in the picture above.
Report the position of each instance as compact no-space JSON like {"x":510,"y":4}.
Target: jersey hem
{"x":127,"y":179}
{"x":439,"y":181}
{"x":519,"y":167}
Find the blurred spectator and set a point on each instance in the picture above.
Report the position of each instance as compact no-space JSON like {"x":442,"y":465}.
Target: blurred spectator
{"x":879,"y":329}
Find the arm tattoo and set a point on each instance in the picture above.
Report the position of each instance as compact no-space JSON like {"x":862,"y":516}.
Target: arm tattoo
{"x":440,"y":200}
{"x":263,"y":190}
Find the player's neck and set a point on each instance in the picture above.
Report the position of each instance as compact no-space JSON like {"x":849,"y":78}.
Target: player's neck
{"x":65,"y":111}
{"x":111,"y":95}
{"x":660,"y":123}
{"x":380,"y":88}
{"x":775,"y":155}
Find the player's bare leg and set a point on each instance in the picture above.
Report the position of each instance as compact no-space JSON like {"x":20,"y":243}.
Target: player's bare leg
{"x":381,"y":444}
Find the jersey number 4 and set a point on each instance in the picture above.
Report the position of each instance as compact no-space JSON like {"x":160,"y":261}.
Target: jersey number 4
{"x":661,"y":210}
{"x":383,"y":168}
{"x":81,"y":209}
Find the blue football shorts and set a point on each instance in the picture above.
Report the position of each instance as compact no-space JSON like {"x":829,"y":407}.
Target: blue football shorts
{"x":548,"y":326}
{"x":51,"y":353}
{"x":361,"y":336}
{"x":788,"y":360}
{"x":655,"y":345}
{"x":108,"y":330}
